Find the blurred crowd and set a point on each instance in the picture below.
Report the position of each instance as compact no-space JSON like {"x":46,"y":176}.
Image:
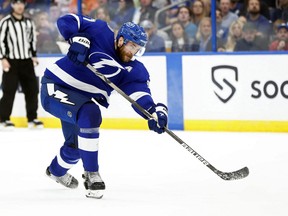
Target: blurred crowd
{"x":173,"y":25}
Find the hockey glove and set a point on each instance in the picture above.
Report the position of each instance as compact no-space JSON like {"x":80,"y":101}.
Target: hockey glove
{"x":79,"y":47}
{"x":160,"y":119}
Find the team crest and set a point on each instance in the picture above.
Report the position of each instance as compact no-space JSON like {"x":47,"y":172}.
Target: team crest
{"x":105,"y":64}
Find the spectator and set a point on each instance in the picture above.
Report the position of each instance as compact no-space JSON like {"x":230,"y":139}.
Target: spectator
{"x":146,"y":11}
{"x":207,"y":7}
{"x":198,"y":12}
{"x":18,"y":55}
{"x":85,"y":10}
{"x":227,"y":16}
{"x":220,"y":31}
{"x":35,"y":6}
{"x":281,"y":12}
{"x":236,"y":6}
{"x":155,"y":42}
{"x":89,"y":5}
{"x":162,"y":3}
{"x":5,"y":8}
{"x":110,"y":6}
{"x":171,"y":14}
{"x":261,"y":23}
{"x":104,"y":3}
{"x":124,"y":12}
{"x":184,"y":16}
{"x":242,"y":19}
{"x":54,"y":13}
{"x":64,"y":6}
{"x":235,"y":34}
{"x":180,"y":41}
{"x":250,"y":41}
{"x":281,"y":41}
{"x":103,"y":14}
{"x":203,"y":37}
{"x":275,"y":27}
{"x":264,"y":9}
{"x":46,"y":33}
{"x":270,"y":8}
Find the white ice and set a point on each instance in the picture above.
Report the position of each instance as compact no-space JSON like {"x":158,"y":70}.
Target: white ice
{"x":149,"y":174}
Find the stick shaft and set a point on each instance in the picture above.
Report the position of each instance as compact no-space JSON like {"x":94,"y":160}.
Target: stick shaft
{"x":149,"y":116}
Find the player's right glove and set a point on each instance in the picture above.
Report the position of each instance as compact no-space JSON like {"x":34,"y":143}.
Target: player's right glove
{"x":79,"y":47}
{"x":160,"y":119}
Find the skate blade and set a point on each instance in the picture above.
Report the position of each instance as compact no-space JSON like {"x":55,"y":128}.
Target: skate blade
{"x":36,"y":127}
{"x":96,"y":194}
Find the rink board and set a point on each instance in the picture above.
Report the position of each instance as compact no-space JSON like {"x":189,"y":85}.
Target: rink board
{"x":235,"y":92}
{"x":203,"y":92}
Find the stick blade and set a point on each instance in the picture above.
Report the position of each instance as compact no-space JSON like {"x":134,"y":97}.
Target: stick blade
{"x":236,"y":175}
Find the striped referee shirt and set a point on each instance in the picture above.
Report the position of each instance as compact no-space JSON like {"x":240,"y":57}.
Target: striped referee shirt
{"x":17,"y":38}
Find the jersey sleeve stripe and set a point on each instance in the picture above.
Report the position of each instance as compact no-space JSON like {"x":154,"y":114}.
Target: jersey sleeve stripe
{"x":77,"y":18}
{"x":137,"y":95}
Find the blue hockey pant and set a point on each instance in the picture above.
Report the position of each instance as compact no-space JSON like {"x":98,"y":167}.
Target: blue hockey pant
{"x":80,"y":119}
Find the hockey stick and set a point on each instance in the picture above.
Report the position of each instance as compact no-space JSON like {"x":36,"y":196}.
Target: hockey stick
{"x":239,"y":174}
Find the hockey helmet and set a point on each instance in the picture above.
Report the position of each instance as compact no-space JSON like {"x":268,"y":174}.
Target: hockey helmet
{"x":135,"y":33}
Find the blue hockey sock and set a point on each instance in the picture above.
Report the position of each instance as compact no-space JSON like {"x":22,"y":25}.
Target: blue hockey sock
{"x":64,"y":161}
{"x":89,"y":121}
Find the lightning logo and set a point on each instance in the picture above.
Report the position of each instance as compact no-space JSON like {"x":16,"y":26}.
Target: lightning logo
{"x":108,"y":62}
{"x":58,"y":94}
{"x":63,"y":97}
{"x":110,"y":67}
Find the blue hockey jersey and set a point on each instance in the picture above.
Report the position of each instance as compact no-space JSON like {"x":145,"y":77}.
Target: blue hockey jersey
{"x":131,"y":77}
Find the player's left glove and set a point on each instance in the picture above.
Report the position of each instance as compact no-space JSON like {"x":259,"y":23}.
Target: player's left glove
{"x":79,"y":47}
{"x":160,"y":119}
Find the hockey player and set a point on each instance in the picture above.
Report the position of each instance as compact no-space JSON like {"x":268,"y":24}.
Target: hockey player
{"x":73,"y":93}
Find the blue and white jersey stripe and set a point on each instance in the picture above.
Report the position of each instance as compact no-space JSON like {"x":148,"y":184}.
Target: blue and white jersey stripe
{"x":131,"y":77}
{"x":75,"y":83}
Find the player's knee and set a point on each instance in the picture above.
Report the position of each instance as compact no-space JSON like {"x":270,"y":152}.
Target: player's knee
{"x":89,"y":116}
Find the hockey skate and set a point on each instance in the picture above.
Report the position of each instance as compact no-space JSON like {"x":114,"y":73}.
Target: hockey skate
{"x":67,"y":180}
{"x":7,"y":125}
{"x":36,"y":124}
{"x":93,"y":184}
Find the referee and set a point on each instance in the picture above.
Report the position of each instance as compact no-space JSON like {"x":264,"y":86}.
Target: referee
{"x":18,"y":56}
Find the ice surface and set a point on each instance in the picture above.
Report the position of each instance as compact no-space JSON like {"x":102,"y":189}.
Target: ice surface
{"x":149,"y":174}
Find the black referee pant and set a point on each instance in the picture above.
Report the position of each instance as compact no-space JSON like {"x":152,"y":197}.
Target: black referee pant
{"x":21,"y":71}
